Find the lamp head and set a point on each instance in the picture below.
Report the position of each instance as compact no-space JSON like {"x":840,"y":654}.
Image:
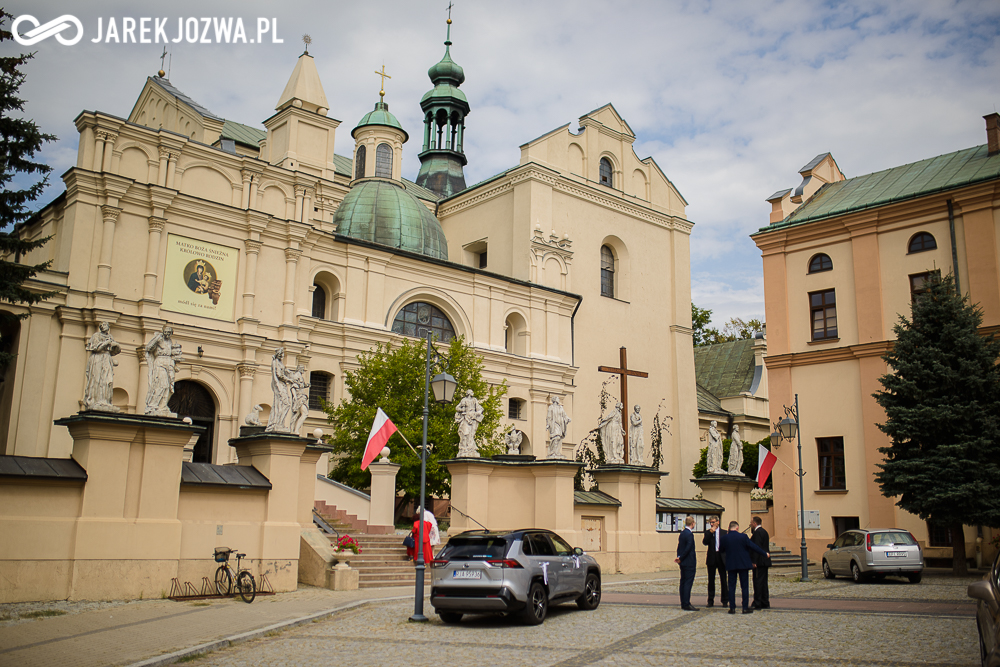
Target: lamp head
{"x":789,"y":428}
{"x":776,"y":439}
{"x":444,"y":386}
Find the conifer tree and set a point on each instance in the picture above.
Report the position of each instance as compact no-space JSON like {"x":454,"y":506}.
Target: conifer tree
{"x":942,"y":406}
{"x":20,"y":140}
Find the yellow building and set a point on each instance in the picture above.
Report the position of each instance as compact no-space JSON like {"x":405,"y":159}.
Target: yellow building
{"x":248,"y":238}
{"x":843,"y":258}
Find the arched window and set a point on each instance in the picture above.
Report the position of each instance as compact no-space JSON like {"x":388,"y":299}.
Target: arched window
{"x":191,"y":399}
{"x":319,"y":303}
{"x":359,"y":163}
{"x":607,"y":172}
{"x":383,"y":161}
{"x":921,"y":242}
{"x":319,"y":389}
{"x":415,"y":318}
{"x":820,"y":262}
{"x":607,"y":272}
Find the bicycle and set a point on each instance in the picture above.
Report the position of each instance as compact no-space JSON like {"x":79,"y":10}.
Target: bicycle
{"x":246,"y":586}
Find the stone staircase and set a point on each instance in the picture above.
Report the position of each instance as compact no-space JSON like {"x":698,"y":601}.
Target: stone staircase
{"x":782,"y":557}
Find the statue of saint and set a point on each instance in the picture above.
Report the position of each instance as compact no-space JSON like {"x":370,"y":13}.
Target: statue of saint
{"x":300,"y":398}
{"x":556,"y":422}
{"x":635,"y":438}
{"x":100,"y":386}
{"x":513,"y":440}
{"x":713,"y":458}
{"x":281,"y":385}
{"x":161,"y":355}
{"x":468,"y":414}
{"x":613,"y":436}
{"x":736,"y":453}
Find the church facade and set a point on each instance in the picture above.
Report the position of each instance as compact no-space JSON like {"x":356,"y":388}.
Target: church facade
{"x":245,"y":239}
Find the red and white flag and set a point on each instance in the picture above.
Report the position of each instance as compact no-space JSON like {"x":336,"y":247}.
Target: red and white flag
{"x":381,"y":430}
{"x":765,"y":461}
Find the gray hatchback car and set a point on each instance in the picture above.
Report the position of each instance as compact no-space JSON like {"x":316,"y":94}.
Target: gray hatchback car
{"x":861,"y":554}
{"x":519,"y":571}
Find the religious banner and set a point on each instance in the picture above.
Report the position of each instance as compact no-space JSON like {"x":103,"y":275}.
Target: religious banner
{"x":200,"y":278}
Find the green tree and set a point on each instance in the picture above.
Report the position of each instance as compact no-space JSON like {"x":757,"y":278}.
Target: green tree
{"x":942,"y":406}
{"x":20,"y":140}
{"x":392,"y":378}
{"x":736,"y":328}
{"x":739,"y":329}
{"x":701,"y":318}
{"x":750,"y":459}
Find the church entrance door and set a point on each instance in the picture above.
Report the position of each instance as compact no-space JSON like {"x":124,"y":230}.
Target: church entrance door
{"x":193,"y":400}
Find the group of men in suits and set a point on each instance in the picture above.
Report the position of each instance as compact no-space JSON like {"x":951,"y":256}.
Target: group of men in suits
{"x":731,"y":556}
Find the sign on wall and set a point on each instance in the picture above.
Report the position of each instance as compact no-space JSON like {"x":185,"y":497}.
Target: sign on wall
{"x":200,"y":278}
{"x":812,"y":520}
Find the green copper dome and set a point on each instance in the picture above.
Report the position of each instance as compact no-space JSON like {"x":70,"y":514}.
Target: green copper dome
{"x":383,"y":212}
{"x":381,"y":116}
{"x":447,"y":70}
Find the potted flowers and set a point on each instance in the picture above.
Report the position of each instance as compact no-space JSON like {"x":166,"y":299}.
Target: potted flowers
{"x":345,"y":547}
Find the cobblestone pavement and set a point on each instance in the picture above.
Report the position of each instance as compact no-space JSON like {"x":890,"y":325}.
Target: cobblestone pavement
{"x":618,"y":634}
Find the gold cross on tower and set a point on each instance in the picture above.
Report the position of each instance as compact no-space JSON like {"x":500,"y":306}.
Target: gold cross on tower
{"x":384,"y":76}
{"x":623,"y":371}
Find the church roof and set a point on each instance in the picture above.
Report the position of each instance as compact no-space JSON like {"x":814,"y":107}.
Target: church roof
{"x":724,"y":369}
{"x":909,"y":181}
{"x":169,"y":87}
{"x":384,"y":212}
{"x":243,"y":134}
{"x":304,"y":85}
{"x":380,"y":116}
{"x":707,"y":402}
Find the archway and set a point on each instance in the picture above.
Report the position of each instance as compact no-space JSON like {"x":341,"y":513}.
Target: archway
{"x":192,"y":399}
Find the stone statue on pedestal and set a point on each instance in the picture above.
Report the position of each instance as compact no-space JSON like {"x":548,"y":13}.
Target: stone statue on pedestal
{"x":99,"y":390}
{"x":281,"y":385}
{"x":300,"y":398}
{"x":468,"y":414}
{"x":736,"y":453}
{"x":161,"y":355}
{"x":556,"y":423}
{"x":513,"y":440}
{"x":613,"y":436}
{"x":713,"y":458}
{"x":635,"y":444}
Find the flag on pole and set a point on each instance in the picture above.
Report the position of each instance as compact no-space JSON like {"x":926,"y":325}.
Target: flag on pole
{"x":381,"y":430}
{"x":765,"y":461}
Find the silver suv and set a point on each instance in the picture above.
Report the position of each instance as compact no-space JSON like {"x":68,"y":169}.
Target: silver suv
{"x":874,"y":553}
{"x":519,"y":571}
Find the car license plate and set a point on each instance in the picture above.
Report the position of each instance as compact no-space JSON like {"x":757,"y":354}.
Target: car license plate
{"x":466,"y":574}
{"x":895,"y":554}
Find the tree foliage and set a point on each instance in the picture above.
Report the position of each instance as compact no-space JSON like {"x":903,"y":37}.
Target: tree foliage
{"x":942,"y":406}
{"x":736,"y":328}
{"x":20,"y":140}
{"x":750,"y":459}
{"x":392,"y":378}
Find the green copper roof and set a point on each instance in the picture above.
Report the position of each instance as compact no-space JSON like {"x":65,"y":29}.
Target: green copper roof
{"x":909,"y":181}
{"x":725,"y":369}
{"x":381,"y":116}
{"x":445,"y":90}
{"x":242,"y":134}
{"x":447,"y":69}
{"x":383,"y":212}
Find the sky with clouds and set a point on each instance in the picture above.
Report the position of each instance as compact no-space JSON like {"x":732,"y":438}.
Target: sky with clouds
{"x":730,"y":98}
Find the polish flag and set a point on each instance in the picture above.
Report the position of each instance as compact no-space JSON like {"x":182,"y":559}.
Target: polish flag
{"x":765,"y":461}
{"x":381,"y":430}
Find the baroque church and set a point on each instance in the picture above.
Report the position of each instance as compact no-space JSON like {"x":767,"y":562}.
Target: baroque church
{"x":247,"y":238}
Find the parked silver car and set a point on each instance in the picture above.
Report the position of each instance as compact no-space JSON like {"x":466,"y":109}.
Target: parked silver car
{"x":987,"y":596}
{"x":861,"y":554}
{"x":520,"y":571}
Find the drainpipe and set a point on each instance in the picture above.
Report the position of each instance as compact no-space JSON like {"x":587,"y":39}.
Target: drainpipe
{"x":954,"y":246}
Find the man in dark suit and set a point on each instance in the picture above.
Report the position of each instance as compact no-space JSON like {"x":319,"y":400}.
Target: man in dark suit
{"x":688,"y":561}
{"x":737,"y":548}
{"x":761,"y":564}
{"x":716,"y":562}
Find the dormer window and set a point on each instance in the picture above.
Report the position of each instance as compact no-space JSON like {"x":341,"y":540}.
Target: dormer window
{"x":606,"y":172}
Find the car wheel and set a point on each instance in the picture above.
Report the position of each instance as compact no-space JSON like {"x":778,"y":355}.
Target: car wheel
{"x":450,"y":616}
{"x":914,"y":578}
{"x":983,"y":654}
{"x":827,"y":572}
{"x":856,"y":573}
{"x":591,"y":596}
{"x":538,"y":605}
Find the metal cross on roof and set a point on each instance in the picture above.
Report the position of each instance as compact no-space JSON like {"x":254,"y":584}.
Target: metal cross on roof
{"x":163,"y":57}
{"x":384,"y":76}
{"x":623,"y":371}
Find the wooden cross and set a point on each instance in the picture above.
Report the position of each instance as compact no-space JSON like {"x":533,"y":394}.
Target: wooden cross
{"x":384,"y":76}
{"x":623,"y":372}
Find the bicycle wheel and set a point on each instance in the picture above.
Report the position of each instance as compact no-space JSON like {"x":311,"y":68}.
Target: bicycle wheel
{"x":246,"y":586}
{"x":223,"y":580}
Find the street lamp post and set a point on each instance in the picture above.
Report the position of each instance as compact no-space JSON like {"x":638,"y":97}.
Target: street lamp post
{"x":444,"y":390}
{"x":789,"y":428}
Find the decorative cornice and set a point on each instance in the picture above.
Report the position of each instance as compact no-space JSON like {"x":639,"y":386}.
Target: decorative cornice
{"x":827,"y":356}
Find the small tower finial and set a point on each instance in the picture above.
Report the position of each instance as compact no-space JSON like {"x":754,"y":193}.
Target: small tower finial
{"x":448,"y":38}
{"x":384,"y":76}
{"x":307,"y":40}
{"x":161,"y":73}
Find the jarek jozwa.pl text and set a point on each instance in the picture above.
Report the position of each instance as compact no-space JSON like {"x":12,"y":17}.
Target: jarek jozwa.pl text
{"x":191,"y":30}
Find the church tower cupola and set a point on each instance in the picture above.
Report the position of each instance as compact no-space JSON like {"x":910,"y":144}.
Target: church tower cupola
{"x":378,"y":141}
{"x":445,"y":108}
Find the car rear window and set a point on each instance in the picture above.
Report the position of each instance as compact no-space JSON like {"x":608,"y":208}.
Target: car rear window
{"x":889,"y":539}
{"x":474,"y":548}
